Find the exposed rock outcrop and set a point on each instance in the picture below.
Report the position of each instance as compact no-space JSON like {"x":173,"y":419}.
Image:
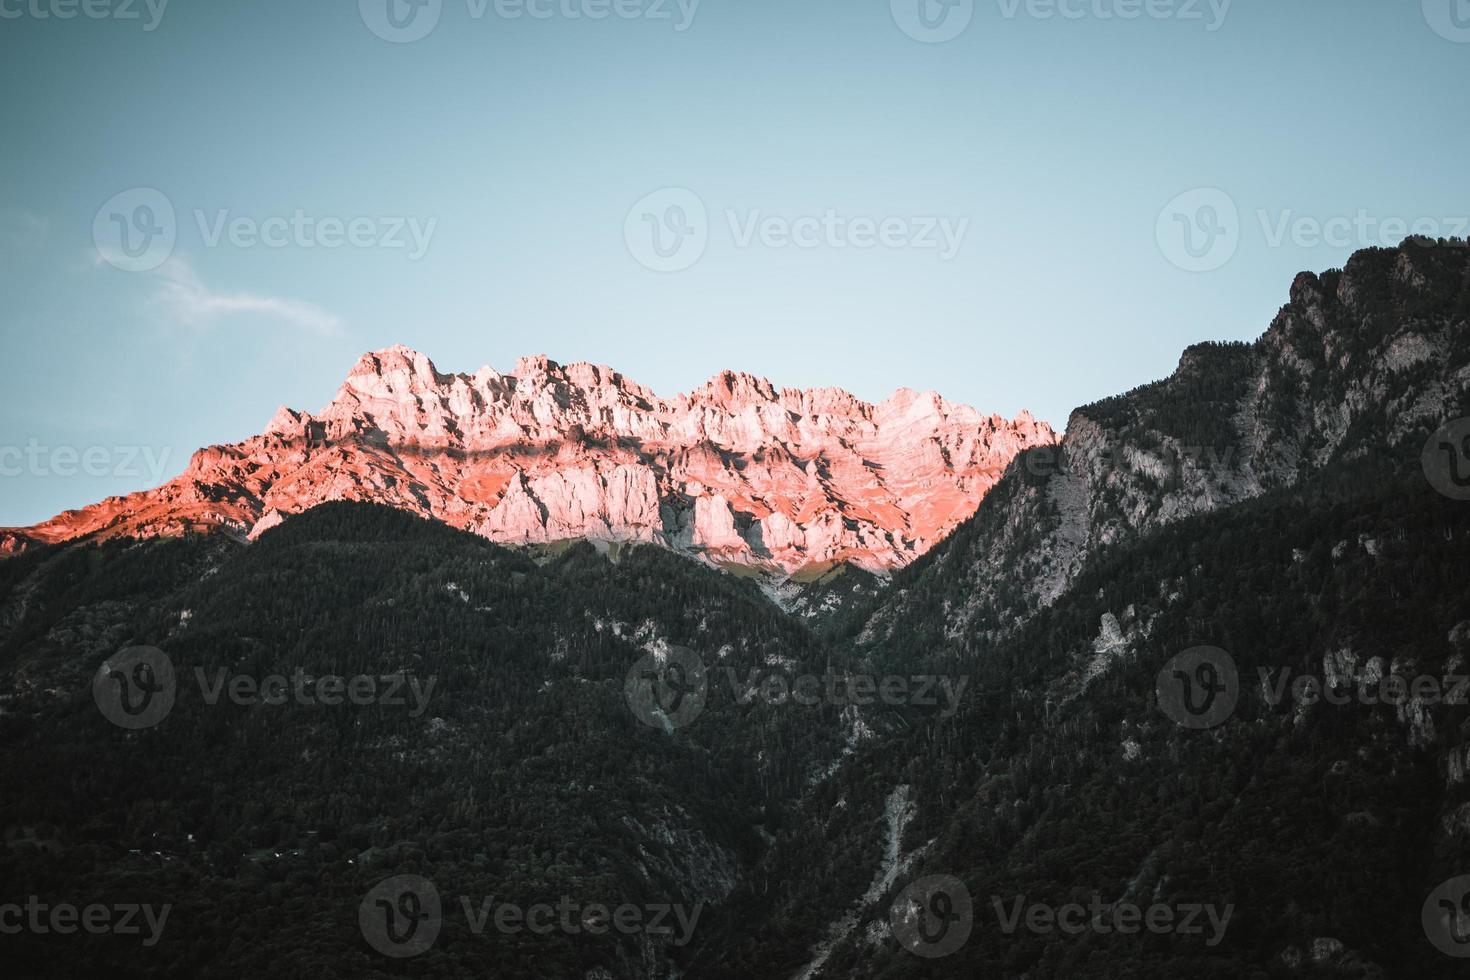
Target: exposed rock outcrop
{"x":738,"y":470}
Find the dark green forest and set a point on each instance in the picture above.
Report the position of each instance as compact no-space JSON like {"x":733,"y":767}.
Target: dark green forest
{"x":527,"y":778}
{"x":1324,"y":826}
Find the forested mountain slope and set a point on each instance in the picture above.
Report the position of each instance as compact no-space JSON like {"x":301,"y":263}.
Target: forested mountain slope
{"x":1323,"y":825}
{"x":1359,"y":366}
{"x":522,"y":774}
{"x":1267,"y":500}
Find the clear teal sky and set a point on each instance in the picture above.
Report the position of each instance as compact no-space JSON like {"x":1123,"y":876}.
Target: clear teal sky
{"x":524,"y":143}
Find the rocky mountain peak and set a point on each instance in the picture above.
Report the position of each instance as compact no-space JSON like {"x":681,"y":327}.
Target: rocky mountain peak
{"x":1361,"y":363}
{"x":737,"y":471}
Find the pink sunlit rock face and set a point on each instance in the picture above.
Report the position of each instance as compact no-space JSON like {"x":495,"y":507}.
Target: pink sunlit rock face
{"x":737,"y":471}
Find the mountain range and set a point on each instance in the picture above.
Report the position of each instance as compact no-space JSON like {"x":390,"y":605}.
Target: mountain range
{"x":1272,"y":503}
{"x":785,"y":482}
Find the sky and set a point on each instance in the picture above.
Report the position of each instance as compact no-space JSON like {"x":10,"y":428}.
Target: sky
{"x":210,"y":209}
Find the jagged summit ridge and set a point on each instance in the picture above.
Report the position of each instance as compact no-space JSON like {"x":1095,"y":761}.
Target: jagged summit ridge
{"x":737,"y":470}
{"x":1361,"y":364}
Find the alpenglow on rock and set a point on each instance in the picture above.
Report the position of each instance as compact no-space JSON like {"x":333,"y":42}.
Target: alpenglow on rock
{"x":738,"y":471}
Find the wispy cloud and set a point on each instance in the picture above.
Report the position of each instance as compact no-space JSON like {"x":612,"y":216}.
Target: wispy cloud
{"x":190,"y":302}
